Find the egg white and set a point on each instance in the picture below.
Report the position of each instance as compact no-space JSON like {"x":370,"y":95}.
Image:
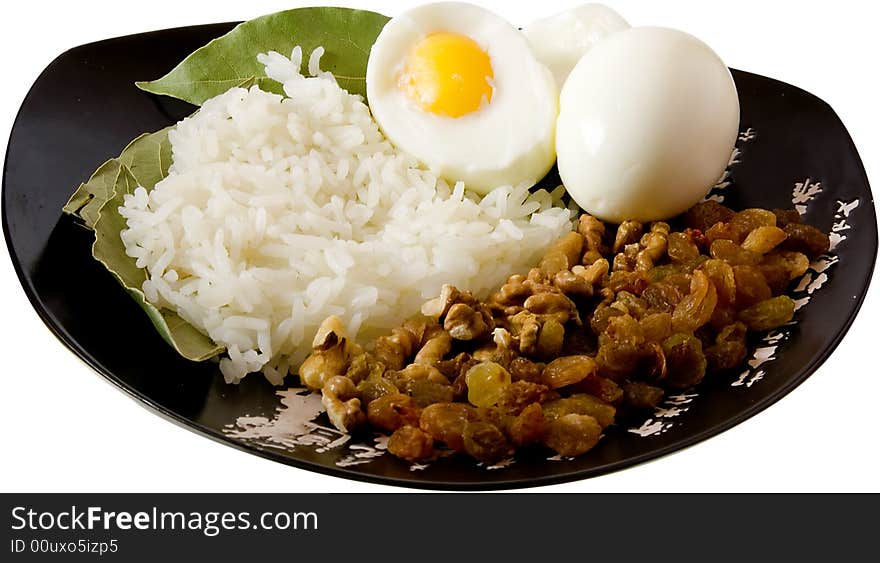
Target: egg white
{"x":561,"y":40}
{"x":508,"y":141}
{"x":648,"y":119}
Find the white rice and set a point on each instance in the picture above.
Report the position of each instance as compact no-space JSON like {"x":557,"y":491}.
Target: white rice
{"x":279,"y":211}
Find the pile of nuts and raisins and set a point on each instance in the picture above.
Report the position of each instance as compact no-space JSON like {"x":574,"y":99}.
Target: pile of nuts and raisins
{"x":607,"y":323}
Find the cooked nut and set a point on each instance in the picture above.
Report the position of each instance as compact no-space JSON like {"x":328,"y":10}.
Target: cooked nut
{"x":563,"y":254}
{"x":321,"y":366}
{"x":396,"y":349}
{"x":555,"y":304}
{"x":626,"y":261}
{"x":464,"y":323}
{"x":434,"y":349}
{"x":415,"y":372}
{"x":593,"y":231}
{"x":525,"y":327}
{"x":571,"y":284}
{"x":627,"y":233}
{"x":339,"y":397}
{"x":500,"y":350}
{"x":329,"y":333}
{"x":331,"y":354}
{"x":438,"y":306}
{"x":359,"y":367}
{"x":553,"y":262}
{"x":653,"y":245}
{"x":515,"y":291}
{"x":595,"y":272}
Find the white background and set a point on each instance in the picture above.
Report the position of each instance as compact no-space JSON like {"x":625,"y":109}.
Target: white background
{"x":66,"y":429}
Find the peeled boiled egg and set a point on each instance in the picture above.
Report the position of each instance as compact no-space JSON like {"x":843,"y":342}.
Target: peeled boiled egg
{"x":460,"y":89}
{"x":561,"y":40}
{"x":648,"y":119}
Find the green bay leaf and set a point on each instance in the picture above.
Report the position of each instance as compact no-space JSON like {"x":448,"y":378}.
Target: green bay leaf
{"x":347,"y":36}
{"x":110,"y":251}
{"x":87,"y":200}
{"x":147,"y":158}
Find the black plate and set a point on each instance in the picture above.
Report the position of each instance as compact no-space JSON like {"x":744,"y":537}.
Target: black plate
{"x":84,"y":108}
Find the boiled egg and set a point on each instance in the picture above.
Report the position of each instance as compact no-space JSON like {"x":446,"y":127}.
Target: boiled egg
{"x":560,"y":41}
{"x":648,"y":119}
{"x":459,"y":88}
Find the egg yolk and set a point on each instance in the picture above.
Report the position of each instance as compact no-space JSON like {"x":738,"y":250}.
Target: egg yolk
{"x":448,"y":74}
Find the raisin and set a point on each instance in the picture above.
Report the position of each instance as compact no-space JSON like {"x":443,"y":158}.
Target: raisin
{"x":573,"y":434}
{"x":656,"y":327}
{"x":522,"y":393}
{"x":581,"y":403}
{"x":686,"y":364}
{"x":641,"y":395}
{"x":524,"y":369}
{"x":528,"y":427}
{"x":729,"y":349}
{"x":662,"y":297}
{"x":390,"y":412}
{"x":748,"y":220}
{"x":681,"y":248}
{"x":786,"y":217}
{"x":483,"y":441}
{"x":411,"y":443}
{"x":751,"y":286}
{"x":721,"y":275}
{"x":568,"y":370}
{"x":768,"y":314}
{"x":732,"y":253}
{"x":706,"y":213}
{"x":445,"y":422}
{"x":763,"y":239}
{"x":486,"y":382}
{"x":806,"y":239}
{"x":600,"y":387}
{"x":425,"y":392}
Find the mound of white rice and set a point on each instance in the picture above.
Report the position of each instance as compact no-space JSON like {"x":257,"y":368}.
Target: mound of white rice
{"x":279,"y":211}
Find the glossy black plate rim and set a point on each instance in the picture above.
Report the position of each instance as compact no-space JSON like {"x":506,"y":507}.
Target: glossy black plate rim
{"x":551,"y":479}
